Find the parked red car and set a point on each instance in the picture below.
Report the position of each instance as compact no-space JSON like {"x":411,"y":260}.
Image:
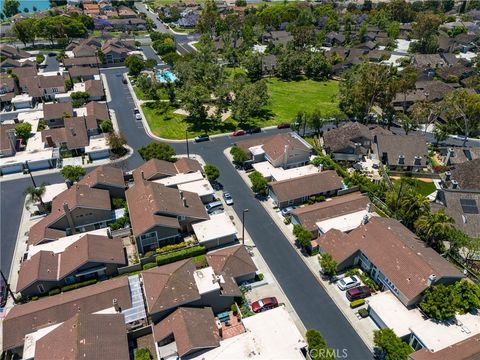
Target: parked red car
{"x":264,"y":304}
{"x":239,"y":133}
{"x":283,"y":126}
{"x":360,"y":292}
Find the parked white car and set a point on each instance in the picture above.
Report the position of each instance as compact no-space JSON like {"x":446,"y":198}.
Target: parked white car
{"x":348,"y":283}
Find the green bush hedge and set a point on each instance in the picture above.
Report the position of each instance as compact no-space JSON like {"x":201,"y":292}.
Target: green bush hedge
{"x":78,"y":285}
{"x":168,"y":248}
{"x":54,"y":292}
{"x":356,"y":303}
{"x":149,"y":265}
{"x":180,"y":255}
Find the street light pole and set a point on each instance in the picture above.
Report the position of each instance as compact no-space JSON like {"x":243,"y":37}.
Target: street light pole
{"x":30,"y":173}
{"x":186,"y":141}
{"x":243,"y":225}
{"x":7,"y":285}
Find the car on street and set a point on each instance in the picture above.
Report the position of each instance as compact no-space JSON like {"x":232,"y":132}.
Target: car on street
{"x":359,"y":292}
{"x":228,"y":198}
{"x":283,"y":126}
{"x":52,"y":54}
{"x":3,"y":292}
{"x":201,"y":138}
{"x":254,"y":130}
{"x":348,"y":283}
{"x":137,"y":114}
{"x":264,"y":304}
{"x":239,"y":133}
{"x":286,"y":211}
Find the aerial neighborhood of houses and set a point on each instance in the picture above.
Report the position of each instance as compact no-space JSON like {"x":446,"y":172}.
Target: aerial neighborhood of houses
{"x":231,"y":179}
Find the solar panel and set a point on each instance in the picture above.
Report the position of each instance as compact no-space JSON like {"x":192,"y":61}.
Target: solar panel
{"x":469,"y":206}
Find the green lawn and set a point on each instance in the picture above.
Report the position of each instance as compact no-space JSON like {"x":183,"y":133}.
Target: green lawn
{"x":172,"y":126}
{"x":142,"y":96}
{"x":287,"y":98}
{"x":423,"y":187}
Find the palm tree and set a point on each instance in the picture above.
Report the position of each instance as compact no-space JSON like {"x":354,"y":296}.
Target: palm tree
{"x":413,"y":206}
{"x":435,"y":227}
{"x":35,"y":194}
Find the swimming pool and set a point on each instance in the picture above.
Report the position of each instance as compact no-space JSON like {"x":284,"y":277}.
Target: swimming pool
{"x":165,"y":76}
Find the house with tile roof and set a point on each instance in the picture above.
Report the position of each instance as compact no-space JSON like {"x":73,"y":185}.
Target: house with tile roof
{"x":106,"y":177}
{"x":234,"y":261}
{"x":72,"y":136}
{"x":349,"y":142}
{"x":392,"y":255}
{"x":155,"y":169}
{"x":402,"y":152}
{"x":92,"y":256}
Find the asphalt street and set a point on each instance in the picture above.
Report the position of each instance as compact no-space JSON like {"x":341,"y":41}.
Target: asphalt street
{"x":181,"y":40}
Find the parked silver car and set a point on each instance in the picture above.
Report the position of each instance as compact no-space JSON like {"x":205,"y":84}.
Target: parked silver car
{"x":348,"y":283}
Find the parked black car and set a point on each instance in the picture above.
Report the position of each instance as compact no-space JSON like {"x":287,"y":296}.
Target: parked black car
{"x":254,"y":130}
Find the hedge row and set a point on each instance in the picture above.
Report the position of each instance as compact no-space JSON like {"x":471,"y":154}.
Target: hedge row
{"x":149,"y":265}
{"x":356,"y":303}
{"x":180,"y":255}
{"x":168,"y":248}
{"x":78,"y":285}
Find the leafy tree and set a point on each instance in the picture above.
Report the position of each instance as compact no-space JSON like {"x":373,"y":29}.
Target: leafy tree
{"x":440,"y":302}
{"x":72,"y":173}
{"x":259,"y":183}
{"x":434,"y":228}
{"x":367,"y":85}
{"x":408,"y":123}
{"x":290,"y":64}
{"x":328,"y":264}
{"x":40,"y":58}
{"x":23,"y":131}
{"x":106,"y":126}
{"x":212,"y":172}
{"x":143,"y":354}
{"x":26,"y":30}
{"x":158,"y":151}
{"x":35,"y":194}
{"x":425,"y":29}
{"x":68,"y":84}
{"x":316,"y":121}
{"x":406,"y":82}
{"x":134,"y":64}
{"x":193,"y":99}
{"x":239,"y":156}
{"x":252,"y":62}
{"x":10,"y":7}
{"x":208,"y":18}
{"x":101,"y":56}
{"x":249,"y":100}
{"x":390,"y":346}
{"x":116,"y":142}
{"x":303,"y":236}
{"x":318,"y":67}
{"x":468,"y":296}
{"x":164,"y":46}
{"x":150,"y":63}
{"x":317,"y":346}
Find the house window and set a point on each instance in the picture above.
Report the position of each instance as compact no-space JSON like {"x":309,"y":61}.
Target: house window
{"x":55,"y":90}
{"x":41,"y":288}
{"x":290,"y":202}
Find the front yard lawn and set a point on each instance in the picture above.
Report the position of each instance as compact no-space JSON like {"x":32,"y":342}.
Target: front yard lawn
{"x":423,"y":187}
{"x":287,"y":98}
{"x":173,"y":126}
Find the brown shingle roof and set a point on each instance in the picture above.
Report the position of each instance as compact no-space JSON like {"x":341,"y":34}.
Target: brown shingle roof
{"x":94,"y":87}
{"x":26,"y":318}
{"x":194,"y":329}
{"x":345,"y":136}
{"x":5,"y":144}
{"x":233,"y":261}
{"x":407,"y":145}
{"x":394,"y":250}
{"x":47,"y":266}
{"x":57,"y":110}
{"x":307,"y":185}
{"x":147,"y":200}
{"x":86,"y":336}
{"x":74,"y":134}
{"x":56,"y":81}
{"x":155,"y":168}
{"x":469,"y":223}
{"x":308,"y":216}
{"x":467,"y":175}
{"x":87,"y":60}
{"x":80,"y":71}
{"x":468,"y":349}
{"x":104,"y":175}
{"x":170,"y":286}
{"x":96,"y":112}
{"x":275,"y":146}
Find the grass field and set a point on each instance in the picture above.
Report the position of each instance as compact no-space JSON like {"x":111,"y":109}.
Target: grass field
{"x":423,"y":187}
{"x":173,"y":126}
{"x":287,"y":98}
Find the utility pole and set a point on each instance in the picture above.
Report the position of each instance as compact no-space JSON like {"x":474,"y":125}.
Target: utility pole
{"x":186,"y":141}
{"x":31,"y":176}
{"x":243,"y":225}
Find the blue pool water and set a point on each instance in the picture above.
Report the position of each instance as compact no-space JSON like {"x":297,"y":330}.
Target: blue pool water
{"x":29,"y":4}
{"x":165,"y":76}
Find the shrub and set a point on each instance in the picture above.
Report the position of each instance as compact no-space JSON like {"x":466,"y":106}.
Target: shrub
{"x":200,"y":261}
{"x":54,"y":292}
{"x":142,"y":354}
{"x":34,"y":298}
{"x":259,"y":277}
{"x":234,"y":309}
{"x":259,"y":183}
{"x":239,"y":156}
{"x":180,"y":255}
{"x":149,"y":266}
{"x":168,"y":248}
{"x":356,"y":303}
{"x":78,"y":285}
{"x":118,"y":203}
{"x":148,"y":254}
{"x":40,"y":58}
{"x":363,"y":313}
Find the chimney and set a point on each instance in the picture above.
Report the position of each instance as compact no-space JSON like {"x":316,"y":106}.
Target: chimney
{"x":184,"y":202}
{"x":72,"y":130}
{"x":69,"y":183}
{"x":13,"y":140}
{"x":431,"y":279}
{"x":68,"y":214}
{"x":285,"y":155}
{"x":418,"y":161}
{"x":320,"y":167}
{"x":448,"y":174}
{"x":49,"y":141}
{"x":454,"y":184}
{"x":451,"y":152}
{"x":116,"y":306}
{"x":143,"y":175}
{"x":357,"y":148}
{"x":369,"y":207}
{"x":219,"y":327}
{"x":401,"y":159}
{"x":181,"y":194}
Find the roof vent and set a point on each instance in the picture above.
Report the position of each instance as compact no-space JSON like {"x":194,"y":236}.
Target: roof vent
{"x":431,"y":279}
{"x":454,"y":184}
